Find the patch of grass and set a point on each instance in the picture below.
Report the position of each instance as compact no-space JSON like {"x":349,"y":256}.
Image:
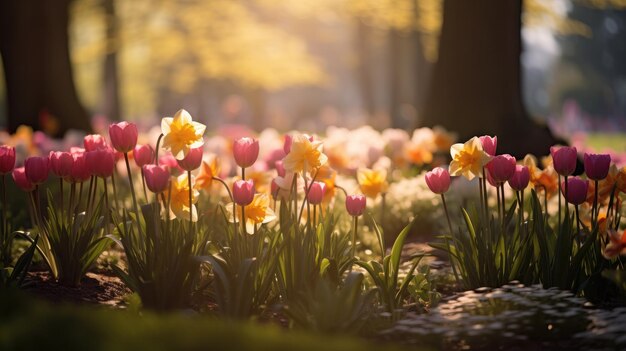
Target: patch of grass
{"x":602,"y":141}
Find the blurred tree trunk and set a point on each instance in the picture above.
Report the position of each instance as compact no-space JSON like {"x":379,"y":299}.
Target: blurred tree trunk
{"x":34,"y":44}
{"x":364,"y":69}
{"x":395,"y":79}
{"x":476,"y":84}
{"x":111,"y":106}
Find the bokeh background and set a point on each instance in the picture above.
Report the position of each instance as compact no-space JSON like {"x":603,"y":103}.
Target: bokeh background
{"x":307,"y":64}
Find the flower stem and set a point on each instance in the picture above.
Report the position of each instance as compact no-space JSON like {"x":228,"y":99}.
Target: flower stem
{"x":190,"y":203}
{"x":156,"y":150}
{"x":594,"y":213}
{"x":356,"y":221}
{"x":559,"y":224}
{"x":132,"y":192}
{"x":445,"y":209}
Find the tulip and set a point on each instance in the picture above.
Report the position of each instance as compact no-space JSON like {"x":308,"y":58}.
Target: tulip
{"x":143,"y":155}
{"x":94,"y":142}
{"x":280,"y":168}
{"x":157,"y":177}
{"x":521,"y":177}
{"x":243,"y":192}
{"x":490,"y":179}
{"x":576,"y":190}
{"x":246,"y":151}
{"x":100,"y":163}
{"x":171,"y":163}
{"x":79,"y":172}
{"x":501,"y":167}
{"x":287,"y":144}
{"x":123,"y":136}
{"x":20,"y":179}
{"x":7,"y":159}
{"x":316,"y":193}
{"x":564,"y":159}
{"x":597,"y":165}
{"x":355,"y":204}
{"x":192,"y":161}
{"x":36,"y":169}
{"x":61,"y":163}
{"x":438,"y":180}
{"x":489,"y":144}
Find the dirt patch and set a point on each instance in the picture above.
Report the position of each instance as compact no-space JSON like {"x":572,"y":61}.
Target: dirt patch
{"x":94,"y":289}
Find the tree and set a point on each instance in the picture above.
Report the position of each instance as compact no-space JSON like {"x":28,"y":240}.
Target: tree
{"x":38,"y":73}
{"x":476,"y":83}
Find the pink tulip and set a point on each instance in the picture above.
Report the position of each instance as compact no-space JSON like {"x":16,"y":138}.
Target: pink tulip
{"x":79,"y":172}
{"x":100,"y":163}
{"x":7,"y":159}
{"x":123,"y":136}
{"x":576,"y":190}
{"x":355,"y":204}
{"x":564,"y":159}
{"x":438,"y":180}
{"x":501,"y":167}
{"x":246,"y":151}
{"x":489,"y":144}
{"x":143,"y":155}
{"x":61,"y":163}
{"x":37,"y":168}
{"x":20,"y":179}
{"x":76,"y":149}
{"x":490,"y":179}
{"x":287,"y":144}
{"x":243,"y":192}
{"x":316,"y":193}
{"x":597,"y":165}
{"x":521,"y":177}
{"x":171,"y":163}
{"x":192,"y":161}
{"x":94,"y":142}
{"x":157,"y":177}
{"x":280,"y":168}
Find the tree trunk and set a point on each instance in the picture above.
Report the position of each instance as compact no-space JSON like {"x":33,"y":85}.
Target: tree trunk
{"x":34,"y":44}
{"x":476,"y":84}
{"x":364,"y":69}
{"x":111,"y":98}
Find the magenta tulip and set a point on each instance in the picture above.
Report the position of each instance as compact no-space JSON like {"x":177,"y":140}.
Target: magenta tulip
{"x":192,"y":161}
{"x":79,"y":172}
{"x":521,"y":177}
{"x":171,"y":163}
{"x":576,"y":190}
{"x":157,"y":177}
{"x":490,"y":179}
{"x":143,"y":155}
{"x":37,"y":168}
{"x":243,"y":192}
{"x":355,"y":204}
{"x":20,"y":179}
{"x":438,"y":180}
{"x":94,"y":142}
{"x":123,"y":136}
{"x":490,"y":144}
{"x":246,"y":151}
{"x":501,"y":167}
{"x":563,"y":159}
{"x":597,"y":165}
{"x":100,"y":163}
{"x":61,"y":163}
{"x":7,"y":159}
{"x":316,"y":193}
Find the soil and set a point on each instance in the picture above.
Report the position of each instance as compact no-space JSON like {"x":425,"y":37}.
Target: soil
{"x":94,"y":289}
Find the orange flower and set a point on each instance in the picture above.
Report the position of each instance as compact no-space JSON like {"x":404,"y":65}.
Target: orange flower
{"x":209,"y":169}
{"x":418,"y":154}
{"x":616,"y":246}
{"x":546,"y":179}
{"x":372,"y":181}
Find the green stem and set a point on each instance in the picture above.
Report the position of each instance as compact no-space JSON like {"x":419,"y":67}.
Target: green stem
{"x":190,"y":203}
{"x":132,"y":193}
{"x":156,"y":151}
{"x":445,"y":208}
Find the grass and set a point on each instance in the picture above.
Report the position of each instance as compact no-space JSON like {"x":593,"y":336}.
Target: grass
{"x":602,"y":141}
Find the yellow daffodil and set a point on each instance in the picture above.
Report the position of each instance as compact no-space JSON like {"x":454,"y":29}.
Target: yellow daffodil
{"x":181,"y":133}
{"x":372,"y":181}
{"x":209,"y":169}
{"x":257,"y":212}
{"x":179,"y":205}
{"x":328,"y":176}
{"x":468,"y":159}
{"x":305,"y":155}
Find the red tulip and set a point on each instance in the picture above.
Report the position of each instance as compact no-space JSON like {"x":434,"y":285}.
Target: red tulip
{"x":489,"y":144}
{"x":521,"y":177}
{"x":246,"y":151}
{"x":36,"y":169}
{"x":597,"y":165}
{"x":123,"y":136}
{"x":438,"y":180}
{"x":243,"y":192}
{"x":143,"y":155}
{"x":501,"y":167}
{"x":576,"y":190}
{"x":94,"y":142}
{"x":61,"y":163}
{"x":157,"y":177}
{"x":192,"y":161}
{"x":316,"y":193}
{"x":100,"y":163}
{"x":355,"y":204}
{"x":20,"y":179}
{"x":563,"y":159}
{"x":7,"y":159}
{"x":79,"y":172}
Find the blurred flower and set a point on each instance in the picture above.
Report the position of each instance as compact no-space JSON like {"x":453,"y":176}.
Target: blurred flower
{"x":616,"y":245}
{"x":443,"y":139}
{"x":157,"y":178}
{"x":490,"y":144}
{"x":438,"y":180}
{"x":209,"y":169}
{"x":563,"y":159}
{"x":576,"y":190}
{"x":94,"y":142}
{"x":181,"y":134}
{"x":501,"y":167}
{"x":256,"y":212}
{"x":123,"y":136}
{"x":597,"y":165}
{"x":36,"y":169}
{"x":61,"y":163}
{"x":20,"y":179}
{"x":143,"y":155}
{"x":468,"y":159}
{"x":304,"y":155}
{"x":7,"y":159}
{"x":355,"y":205}
{"x":192,"y":160}
{"x":171,"y":163}
{"x":521,"y":177}
{"x":246,"y":152}
{"x":372,"y":181}
{"x":179,"y":205}
{"x":243,"y":192}
{"x":100,"y":163}
{"x":79,"y":172}
{"x":546,"y":179}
